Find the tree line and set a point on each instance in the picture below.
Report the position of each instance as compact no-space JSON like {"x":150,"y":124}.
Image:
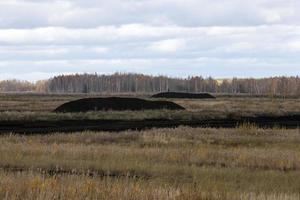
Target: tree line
{"x":139,"y":83}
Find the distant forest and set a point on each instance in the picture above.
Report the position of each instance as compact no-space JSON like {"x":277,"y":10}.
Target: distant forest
{"x":139,"y":83}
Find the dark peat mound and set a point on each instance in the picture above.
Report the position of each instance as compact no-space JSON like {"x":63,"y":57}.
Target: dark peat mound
{"x":115,"y":103}
{"x":183,"y":95}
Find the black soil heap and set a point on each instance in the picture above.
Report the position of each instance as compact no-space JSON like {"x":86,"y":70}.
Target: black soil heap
{"x":115,"y":103}
{"x":183,"y":95}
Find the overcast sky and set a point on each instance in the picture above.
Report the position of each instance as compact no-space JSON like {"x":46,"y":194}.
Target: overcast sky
{"x":219,"y":38}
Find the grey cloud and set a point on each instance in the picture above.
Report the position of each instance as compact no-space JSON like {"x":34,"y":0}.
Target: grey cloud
{"x":242,"y":67}
{"x":41,"y":38}
{"x":84,"y":14}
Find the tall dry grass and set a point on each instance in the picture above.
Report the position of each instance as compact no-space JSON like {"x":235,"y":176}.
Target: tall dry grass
{"x":182,"y":163}
{"x":31,"y":186}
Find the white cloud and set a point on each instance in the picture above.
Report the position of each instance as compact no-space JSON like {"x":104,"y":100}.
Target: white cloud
{"x":205,"y":66}
{"x":139,"y":32}
{"x":100,"y":50}
{"x":154,"y":36}
{"x":294,"y":46}
{"x":34,"y":50}
{"x":171,"y":45}
{"x":94,"y":13}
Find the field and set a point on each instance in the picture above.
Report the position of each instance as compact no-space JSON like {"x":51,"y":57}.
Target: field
{"x":40,"y":107}
{"x":245,"y":162}
{"x":182,"y":163}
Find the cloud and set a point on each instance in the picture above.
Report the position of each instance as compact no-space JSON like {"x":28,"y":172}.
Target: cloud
{"x":294,"y":46}
{"x":92,"y":13}
{"x":33,"y":50}
{"x":171,"y":37}
{"x":140,"y":32}
{"x":202,"y":66}
{"x":171,"y":45}
{"x":100,"y":50}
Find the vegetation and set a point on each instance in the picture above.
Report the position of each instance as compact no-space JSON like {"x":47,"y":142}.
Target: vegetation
{"x":139,"y":83}
{"x":40,"y":107}
{"x":16,"y":86}
{"x":182,"y":163}
{"x":118,"y":83}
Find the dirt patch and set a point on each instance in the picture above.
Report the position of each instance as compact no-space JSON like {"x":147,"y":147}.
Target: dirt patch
{"x":44,"y":127}
{"x":183,"y":95}
{"x":65,"y":126}
{"x":115,"y":103}
{"x":91,"y":173}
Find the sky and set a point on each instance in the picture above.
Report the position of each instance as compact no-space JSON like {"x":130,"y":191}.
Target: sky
{"x":179,"y":38}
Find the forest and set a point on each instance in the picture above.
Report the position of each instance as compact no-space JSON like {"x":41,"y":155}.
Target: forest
{"x":139,"y":83}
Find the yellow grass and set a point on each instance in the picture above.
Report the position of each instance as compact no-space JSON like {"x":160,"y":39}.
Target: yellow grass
{"x":182,"y":163}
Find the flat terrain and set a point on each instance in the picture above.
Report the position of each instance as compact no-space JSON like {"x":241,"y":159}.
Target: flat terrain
{"x":242,"y":162}
{"x":75,"y":125}
{"x":40,"y":107}
{"x":33,"y":113}
{"x":183,"y":163}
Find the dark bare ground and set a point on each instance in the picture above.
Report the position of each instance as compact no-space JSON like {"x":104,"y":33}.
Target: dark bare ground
{"x":32,"y":127}
{"x":91,"y":173}
{"x":183,"y":95}
{"x":115,"y":103}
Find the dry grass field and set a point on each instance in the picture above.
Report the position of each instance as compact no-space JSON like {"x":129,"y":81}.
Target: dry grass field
{"x":244,"y":163}
{"x":182,"y":163}
{"x":39,"y":107}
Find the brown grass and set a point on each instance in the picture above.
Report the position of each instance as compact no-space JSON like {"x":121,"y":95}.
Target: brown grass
{"x":182,"y":163}
{"x":39,"y":107}
{"x":33,"y":186}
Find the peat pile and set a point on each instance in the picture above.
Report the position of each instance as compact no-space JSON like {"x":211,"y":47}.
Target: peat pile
{"x":115,"y":103}
{"x":183,"y":95}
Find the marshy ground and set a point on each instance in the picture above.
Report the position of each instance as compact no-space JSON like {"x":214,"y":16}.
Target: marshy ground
{"x":40,"y":107}
{"x":245,"y":162}
{"x":182,"y":163}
